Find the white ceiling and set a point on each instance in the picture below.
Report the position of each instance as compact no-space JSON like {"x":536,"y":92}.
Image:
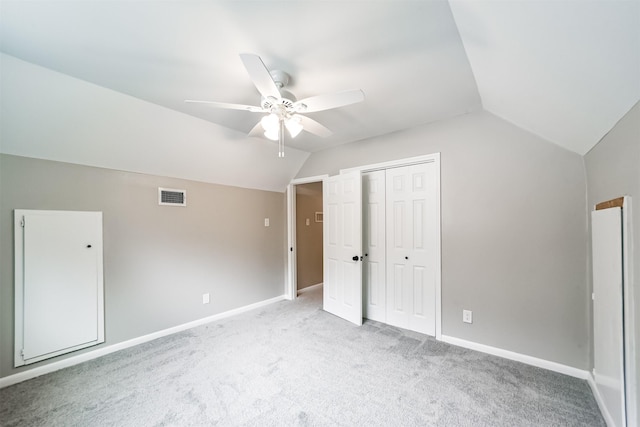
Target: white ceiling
{"x":565,"y":70}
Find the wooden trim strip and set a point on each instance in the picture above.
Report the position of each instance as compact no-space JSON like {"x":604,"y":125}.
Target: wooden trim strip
{"x":614,"y":203}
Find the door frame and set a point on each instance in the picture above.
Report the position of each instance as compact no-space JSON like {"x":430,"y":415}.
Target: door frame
{"x":429,"y":158}
{"x":291,"y":286}
{"x":632,"y":384}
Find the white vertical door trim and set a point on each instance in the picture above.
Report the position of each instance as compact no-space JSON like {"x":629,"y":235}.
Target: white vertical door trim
{"x":291,"y":285}
{"x":631,"y":346}
{"x":438,"y":246}
{"x":291,"y":290}
{"x":608,"y":337}
{"x":342,"y":241}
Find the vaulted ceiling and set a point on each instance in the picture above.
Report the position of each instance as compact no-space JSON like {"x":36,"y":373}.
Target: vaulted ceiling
{"x":564,"y":70}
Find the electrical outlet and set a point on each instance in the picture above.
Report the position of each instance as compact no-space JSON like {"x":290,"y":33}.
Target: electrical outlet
{"x":467,"y":316}
{"x":266,"y":222}
{"x":205,"y":298}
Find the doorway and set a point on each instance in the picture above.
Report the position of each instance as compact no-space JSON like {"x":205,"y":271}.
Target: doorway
{"x":309,"y":221}
{"x":291,"y":290}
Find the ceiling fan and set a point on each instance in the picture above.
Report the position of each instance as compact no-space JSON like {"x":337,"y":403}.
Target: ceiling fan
{"x":282,"y":109}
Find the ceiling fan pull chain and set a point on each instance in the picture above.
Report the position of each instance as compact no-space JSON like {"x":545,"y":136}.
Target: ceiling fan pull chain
{"x":281,"y":140}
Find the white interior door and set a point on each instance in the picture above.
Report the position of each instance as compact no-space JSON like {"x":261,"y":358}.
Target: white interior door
{"x":342,"y":205}
{"x":59,"y":294}
{"x":606,"y":232}
{"x":412,"y":247}
{"x":374,"y":245}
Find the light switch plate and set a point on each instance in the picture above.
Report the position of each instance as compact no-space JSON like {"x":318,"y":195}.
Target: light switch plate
{"x":467,"y":316}
{"x":266,"y":222}
{"x":205,"y":298}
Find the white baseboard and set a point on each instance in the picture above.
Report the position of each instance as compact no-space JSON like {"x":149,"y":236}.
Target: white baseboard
{"x":102,"y":351}
{"x":309,"y":288}
{"x":529,"y":360}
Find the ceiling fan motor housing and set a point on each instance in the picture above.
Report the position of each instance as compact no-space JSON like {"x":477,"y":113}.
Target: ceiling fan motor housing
{"x":280,"y":78}
{"x":287,"y":101}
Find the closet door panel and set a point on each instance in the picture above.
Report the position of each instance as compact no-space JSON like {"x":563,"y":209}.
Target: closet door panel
{"x":342,"y":202}
{"x":374,"y":245}
{"x":411,"y":228}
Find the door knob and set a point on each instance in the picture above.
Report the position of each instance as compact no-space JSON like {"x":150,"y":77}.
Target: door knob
{"x":355,"y":257}
{"x":88,"y":246}
{"x":406,"y":257}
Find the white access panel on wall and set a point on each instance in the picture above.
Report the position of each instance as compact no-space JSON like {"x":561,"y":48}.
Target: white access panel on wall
{"x":342,"y":235}
{"x":58,"y":283}
{"x":412,"y":247}
{"x":608,"y":338}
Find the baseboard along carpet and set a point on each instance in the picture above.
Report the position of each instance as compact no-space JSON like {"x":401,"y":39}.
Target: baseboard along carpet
{"x":292,"y":364}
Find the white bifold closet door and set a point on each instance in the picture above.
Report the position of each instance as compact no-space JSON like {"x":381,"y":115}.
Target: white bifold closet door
{"x":374,"y":245}
{"x":59,"y":285}
{"x":342,"y":234}
{"x":411,"y":227}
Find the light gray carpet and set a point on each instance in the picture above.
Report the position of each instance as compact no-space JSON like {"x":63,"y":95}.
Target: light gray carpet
{"x":293,"y":364}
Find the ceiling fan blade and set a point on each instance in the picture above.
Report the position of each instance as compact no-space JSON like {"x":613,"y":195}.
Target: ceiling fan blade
{"x":260,"y":75}
{"x":313,"y":127}
{"x":330,"y":100}
{"x":257,"y":130}
{"x":251,"y":108}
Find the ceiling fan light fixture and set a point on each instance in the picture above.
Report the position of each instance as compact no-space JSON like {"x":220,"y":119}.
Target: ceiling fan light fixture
{"x":293,"y":126}
{"x":271,"y":125}
{"x":272,"y":134}
{"x":270,"y":122}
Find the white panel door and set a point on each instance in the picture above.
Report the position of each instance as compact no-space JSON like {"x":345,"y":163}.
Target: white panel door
{"x":412,"y":247}
{"x":606,"y":242}
{"x":374,"y":245}
{"x":342,"y":204}
{"x":61,"y":290}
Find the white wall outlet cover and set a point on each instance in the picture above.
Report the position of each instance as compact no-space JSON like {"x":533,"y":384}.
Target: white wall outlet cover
{"x":266,"y":222}
{"x":467,"y":316}
{"x":307,"y":221}
{"x":205,"y":298}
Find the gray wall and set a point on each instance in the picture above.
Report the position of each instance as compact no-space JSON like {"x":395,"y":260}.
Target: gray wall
{"x":158,"y":260}
{"x":308,"y":237}
{"x":613,"y":170}
{"x":514,"y":231}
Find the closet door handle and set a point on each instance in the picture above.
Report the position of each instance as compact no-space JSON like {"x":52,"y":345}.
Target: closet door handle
{"x":406,"y":257}
{"x":355,"y":257}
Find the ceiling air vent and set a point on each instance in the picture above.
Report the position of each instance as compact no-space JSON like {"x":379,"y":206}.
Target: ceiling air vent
{"x":172,"y":197}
